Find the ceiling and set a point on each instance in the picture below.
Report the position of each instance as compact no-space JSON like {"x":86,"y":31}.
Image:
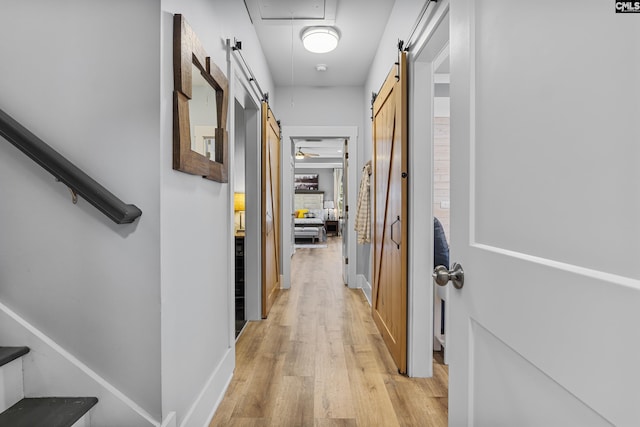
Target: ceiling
{"x":325,"y":152}
{"x":326,"y":147}
{"x":279,"y":23}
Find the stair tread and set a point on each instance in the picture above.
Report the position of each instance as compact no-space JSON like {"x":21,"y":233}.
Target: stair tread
{"x":47,"y":411}
{"x":9,"y":354}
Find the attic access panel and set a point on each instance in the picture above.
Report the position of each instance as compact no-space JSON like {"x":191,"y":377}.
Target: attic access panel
{"x":293,"y":9}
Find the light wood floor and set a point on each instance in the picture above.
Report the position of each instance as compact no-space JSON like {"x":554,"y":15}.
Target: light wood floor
{"x":318,"y":360}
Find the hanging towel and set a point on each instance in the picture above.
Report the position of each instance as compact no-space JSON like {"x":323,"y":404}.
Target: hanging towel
{"x":363,"y":211}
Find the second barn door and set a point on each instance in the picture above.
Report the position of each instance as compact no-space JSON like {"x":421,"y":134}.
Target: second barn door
{"x":270,"y":209}
{"x":389,"y":295}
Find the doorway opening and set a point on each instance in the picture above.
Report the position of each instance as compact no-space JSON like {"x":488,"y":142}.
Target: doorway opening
{"x":428,"y":125}
{"x":429,"y":190}
{"x":320,"y":184}
{"x":239,"y":222}
{"x":246,"y":189}
{"x":441,"y":196}
{"x":315,"y":193}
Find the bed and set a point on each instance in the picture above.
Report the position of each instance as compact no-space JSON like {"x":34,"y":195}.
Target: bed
{"x":310,"y":227}
{"x":309,"y":216}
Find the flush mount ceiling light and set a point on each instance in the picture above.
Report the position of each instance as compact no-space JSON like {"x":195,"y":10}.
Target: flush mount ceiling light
{"x":320,"y":39}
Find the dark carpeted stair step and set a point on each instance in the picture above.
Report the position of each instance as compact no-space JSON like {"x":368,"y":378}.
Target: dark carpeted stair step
{"x":47,"y":412}
{"x":9,"y":354}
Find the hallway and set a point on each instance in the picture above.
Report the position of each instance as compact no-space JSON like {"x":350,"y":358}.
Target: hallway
{"x":320,"y":361}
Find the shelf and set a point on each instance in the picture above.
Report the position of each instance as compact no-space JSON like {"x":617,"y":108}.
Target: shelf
{"x":239,"y":284}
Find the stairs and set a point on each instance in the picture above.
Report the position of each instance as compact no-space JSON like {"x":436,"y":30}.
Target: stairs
{"x":18,"y":411}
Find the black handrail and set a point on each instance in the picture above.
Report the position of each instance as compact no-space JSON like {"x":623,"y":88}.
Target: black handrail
{"x":69,"y":174}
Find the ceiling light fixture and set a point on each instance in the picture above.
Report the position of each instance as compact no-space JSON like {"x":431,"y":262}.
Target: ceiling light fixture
{"x":320,"y":39}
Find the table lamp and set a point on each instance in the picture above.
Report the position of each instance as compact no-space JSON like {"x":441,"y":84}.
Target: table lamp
{"x":328,"y":204}
{"x":238,"y":206}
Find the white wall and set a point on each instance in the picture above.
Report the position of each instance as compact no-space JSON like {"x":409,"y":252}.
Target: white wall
{"x":319,"y":106}
{"x":83,"y":75}
{"x":197,"y":300}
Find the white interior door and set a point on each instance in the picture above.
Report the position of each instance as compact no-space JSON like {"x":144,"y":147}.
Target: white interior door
{"x":545,"y":100}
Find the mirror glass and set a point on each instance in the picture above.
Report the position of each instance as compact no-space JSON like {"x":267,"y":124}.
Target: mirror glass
{"x":203,"y":115}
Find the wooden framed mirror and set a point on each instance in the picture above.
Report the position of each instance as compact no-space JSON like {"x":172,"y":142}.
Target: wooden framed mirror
{"x":200,"y":102}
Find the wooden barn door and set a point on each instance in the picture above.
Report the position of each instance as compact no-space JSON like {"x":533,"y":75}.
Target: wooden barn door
{"x":389,"y":297}
{"x":270,"y":209}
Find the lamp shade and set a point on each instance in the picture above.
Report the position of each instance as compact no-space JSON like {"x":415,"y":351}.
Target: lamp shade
{"x":238,"y":202}
{"x":320,"y":39}
{"x":328,"y":204}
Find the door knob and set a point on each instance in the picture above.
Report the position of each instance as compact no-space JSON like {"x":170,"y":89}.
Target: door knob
{"x":442,"y":276}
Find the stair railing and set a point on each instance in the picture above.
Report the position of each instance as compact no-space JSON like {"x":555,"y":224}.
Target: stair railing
{"x":66,"y":172}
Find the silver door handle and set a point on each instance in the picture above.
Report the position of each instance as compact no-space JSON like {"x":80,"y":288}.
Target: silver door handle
{"x":442,"y":276}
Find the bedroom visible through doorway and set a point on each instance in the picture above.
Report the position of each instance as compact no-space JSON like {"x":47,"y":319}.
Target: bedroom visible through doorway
{"x":318,"y":204}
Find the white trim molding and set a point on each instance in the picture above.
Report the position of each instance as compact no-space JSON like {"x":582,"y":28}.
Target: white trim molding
{"x":365,"y":286}
{"x":288,"y":133}
{"x":200,"y":413}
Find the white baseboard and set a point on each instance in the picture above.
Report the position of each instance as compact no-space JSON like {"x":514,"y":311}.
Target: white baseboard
{"x":50,"y":370}
{"x":201,"y":413}
{"x":365,"y":286}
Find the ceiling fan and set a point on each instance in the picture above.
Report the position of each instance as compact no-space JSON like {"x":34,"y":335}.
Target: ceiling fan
{"x":302,"y":155}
